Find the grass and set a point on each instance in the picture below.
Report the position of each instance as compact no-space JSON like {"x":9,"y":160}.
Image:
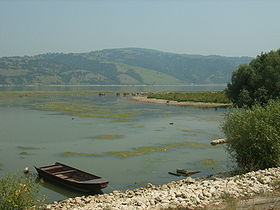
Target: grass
{"x":193,"y":96}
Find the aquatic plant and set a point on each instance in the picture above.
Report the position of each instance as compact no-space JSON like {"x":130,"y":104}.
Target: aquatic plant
{"x":109,"y":136}
{"x":28,"y":148}
{"x":70,"y":154}
{"x":24,"y":153}
{"x":209,"y":162}
{"x":161,"y":148}
{"x":124,"y":120}
{"x":126,"y":154}
{"x":152,"y":149}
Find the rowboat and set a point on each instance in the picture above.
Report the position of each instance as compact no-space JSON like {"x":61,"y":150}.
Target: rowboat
{"x":71,"y":177}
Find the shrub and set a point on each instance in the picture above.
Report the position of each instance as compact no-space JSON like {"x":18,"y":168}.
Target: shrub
{"x":19,"y":192}
{"x":253,"y":136}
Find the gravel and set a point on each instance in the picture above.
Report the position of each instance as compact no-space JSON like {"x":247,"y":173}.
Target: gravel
{"x":186,"y":193}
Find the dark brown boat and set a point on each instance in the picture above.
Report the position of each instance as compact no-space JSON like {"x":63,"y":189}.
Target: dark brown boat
{"x":72,"y":177}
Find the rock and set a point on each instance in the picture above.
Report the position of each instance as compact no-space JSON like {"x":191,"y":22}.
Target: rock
{"x":218,"y":141}
{"x":188,"y":193}
{"x":149,"y":185}
{"x":189,"y":180}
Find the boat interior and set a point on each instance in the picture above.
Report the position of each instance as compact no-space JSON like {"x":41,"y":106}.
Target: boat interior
{"x":68,"y":173}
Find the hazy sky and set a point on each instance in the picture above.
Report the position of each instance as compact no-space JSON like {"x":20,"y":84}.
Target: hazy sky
{"x":207,"y":27}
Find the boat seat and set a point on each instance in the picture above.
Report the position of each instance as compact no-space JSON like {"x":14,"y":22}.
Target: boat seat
{"x":51,"y":167}
{"x":63,"y":172}
{"x":71,"y":179}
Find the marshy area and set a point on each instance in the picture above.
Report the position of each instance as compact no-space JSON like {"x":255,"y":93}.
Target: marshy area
{"x":127,"y":142}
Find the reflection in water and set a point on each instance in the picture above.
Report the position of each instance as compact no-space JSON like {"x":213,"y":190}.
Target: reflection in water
{"x":62,"y":190}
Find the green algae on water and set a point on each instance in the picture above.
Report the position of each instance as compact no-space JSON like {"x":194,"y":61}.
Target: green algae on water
{"x":187,"y":144}
{"x":209,"y":162}
{"x":28,"y":148}
{"x":109,"y":136}
{"x":152,"y":149}
{"x":206,"y":163}
{"x":126,"y":154}
{"x":138,"y":151}
{"x":24,"y":153}
{"x":70,"y":154}
{"x":138,"y":126}
{"x":123,"y":120}
{"x":190,"y":134}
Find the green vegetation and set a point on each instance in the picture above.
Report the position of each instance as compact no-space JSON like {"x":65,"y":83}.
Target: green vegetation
{"x":195,"y":96}
{"x":127,"y":154}
{"x":161,"y":148}
{"x":28,"y":148}
{"x":19,"y":193}
{"x":276,"y":184}
{"x":117,"y":66}
{"x":123,"y":120}
{"x":24,"y":153}
{"x":66,"y":102}
{"x":70,"y":154}
{"x":109,"y":136}
{"x":208,"y":162}
{"x":253,"y":136}
{"x":257,"y":82}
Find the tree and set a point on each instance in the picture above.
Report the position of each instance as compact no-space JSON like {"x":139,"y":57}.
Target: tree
{"x":256,"y":82}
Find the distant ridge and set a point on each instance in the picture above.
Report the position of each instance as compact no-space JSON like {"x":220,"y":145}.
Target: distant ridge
{"x":128,"y":66}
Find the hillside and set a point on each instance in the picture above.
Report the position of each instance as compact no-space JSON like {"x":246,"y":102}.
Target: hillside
{"x":117,"y":66}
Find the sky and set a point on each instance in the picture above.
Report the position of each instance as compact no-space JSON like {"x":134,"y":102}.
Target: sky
{"x":205,"y":27}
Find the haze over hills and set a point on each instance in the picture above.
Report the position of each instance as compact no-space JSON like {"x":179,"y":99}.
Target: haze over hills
{"x":130,"y":66}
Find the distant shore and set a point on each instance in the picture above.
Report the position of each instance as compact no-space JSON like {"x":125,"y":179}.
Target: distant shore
{"x":145,"y":99}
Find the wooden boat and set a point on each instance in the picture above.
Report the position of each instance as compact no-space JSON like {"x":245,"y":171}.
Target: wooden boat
{"x":72,"y":177}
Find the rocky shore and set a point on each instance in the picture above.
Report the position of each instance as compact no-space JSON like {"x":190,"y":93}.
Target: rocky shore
{"x":145,"y":99}
{"x":187,"y":193}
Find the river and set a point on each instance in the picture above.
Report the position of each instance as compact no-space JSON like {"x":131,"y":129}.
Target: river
{"x":127,"y":142}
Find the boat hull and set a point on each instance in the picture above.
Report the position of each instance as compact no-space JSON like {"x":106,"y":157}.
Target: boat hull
{"x":77,"y":186}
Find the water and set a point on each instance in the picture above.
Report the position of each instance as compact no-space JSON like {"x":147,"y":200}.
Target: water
{"x":127,"y":142}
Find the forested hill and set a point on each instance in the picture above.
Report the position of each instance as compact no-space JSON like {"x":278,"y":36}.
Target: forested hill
{"x":118,"y":66}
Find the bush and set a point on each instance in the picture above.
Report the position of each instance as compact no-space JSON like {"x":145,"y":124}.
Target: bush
{"x":253,"y":136}
{"x":19,"y":192}
{"x":257,"y":82}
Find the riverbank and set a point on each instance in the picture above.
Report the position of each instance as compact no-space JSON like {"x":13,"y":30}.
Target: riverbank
{"x":187,"y":193}
{"x":145,"y":99}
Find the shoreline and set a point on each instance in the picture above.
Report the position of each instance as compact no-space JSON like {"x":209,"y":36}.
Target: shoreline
{"x":145,"y":99}
{"x":186,"y":193}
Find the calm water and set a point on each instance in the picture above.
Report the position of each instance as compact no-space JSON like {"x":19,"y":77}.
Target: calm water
{"x":127,"y":142}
